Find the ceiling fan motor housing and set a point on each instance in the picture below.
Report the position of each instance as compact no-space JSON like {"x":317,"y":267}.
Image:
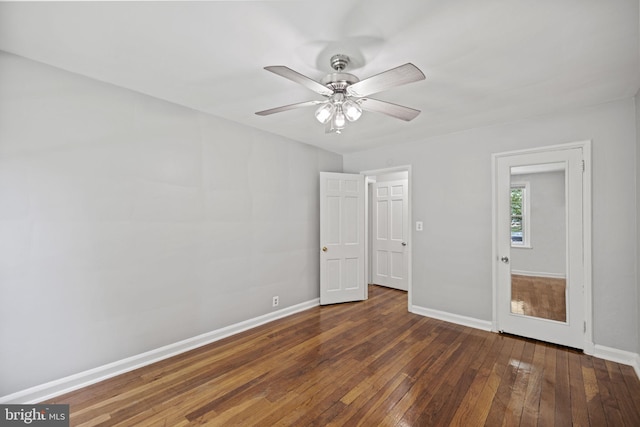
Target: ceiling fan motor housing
{"x":339,"y":81}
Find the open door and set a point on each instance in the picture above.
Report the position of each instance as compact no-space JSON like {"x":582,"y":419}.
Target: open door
{"x":342,"y":238}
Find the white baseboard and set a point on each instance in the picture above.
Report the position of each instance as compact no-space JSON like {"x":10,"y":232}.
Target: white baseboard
{"x":471,"y":322}
{"x":618,"y":356}
{"x":538,"y":274}
{"x":73,"y":382}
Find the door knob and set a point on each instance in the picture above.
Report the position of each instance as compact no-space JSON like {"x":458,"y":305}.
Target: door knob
{"x":505,"y":259}
{"x":324,"y":249}
{"x":404,"y":243}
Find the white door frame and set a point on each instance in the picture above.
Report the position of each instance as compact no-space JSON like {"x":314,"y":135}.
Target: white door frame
{"x":375,"y":172}
{"x":587,"y":224}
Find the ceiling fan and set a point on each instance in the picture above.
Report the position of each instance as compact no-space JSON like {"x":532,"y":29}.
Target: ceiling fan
{"x":347,"y":96}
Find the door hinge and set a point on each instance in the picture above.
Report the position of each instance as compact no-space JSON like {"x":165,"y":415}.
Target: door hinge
{"x":584,"y":326}
{"x":583,"y":166}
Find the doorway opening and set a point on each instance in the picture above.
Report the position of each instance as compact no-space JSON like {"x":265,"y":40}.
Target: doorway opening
{"x":388,"y":224}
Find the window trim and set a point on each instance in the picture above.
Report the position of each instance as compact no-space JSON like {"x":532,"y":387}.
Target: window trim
{"x":526,"y":214}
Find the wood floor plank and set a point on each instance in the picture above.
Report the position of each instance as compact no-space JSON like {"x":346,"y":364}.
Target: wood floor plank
{"x":630,"y":415}
{"x":531,"y":409}
{"x":380,"y":370}
{"x":440,"y":409}
{"x":548,"y":391}
{"x":605,"y":390}
{"x":633,"y":385}
{"x":423,"y":364}
{"x":466,"y":414}
{"x":579,"y":410}
{"x":592,"y":392}
{"x":563,"y":390}
{"x":515,"y":407}
{"x":503,"y":393}
{"x":428,"y":407}
{"x":471,"y":411}
{"x":363,"y":364}
{"x":391,"y":378}
{"x":412,"y":404}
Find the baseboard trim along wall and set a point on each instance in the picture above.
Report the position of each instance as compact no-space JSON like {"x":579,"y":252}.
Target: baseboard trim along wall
{"x":485,"y":325}
{"x":73,"y":382}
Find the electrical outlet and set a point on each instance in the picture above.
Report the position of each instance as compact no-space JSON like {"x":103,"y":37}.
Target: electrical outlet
{"x":276,"y":301}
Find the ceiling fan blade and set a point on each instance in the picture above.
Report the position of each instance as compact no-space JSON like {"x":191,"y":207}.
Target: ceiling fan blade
{"x":393,"y":110}
{"x":305,"y":81}
{"x":407,"y":73}
{"x":289,"y":107}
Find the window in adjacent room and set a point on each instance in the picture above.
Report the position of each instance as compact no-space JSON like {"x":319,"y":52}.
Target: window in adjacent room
{"x":520,"y":214}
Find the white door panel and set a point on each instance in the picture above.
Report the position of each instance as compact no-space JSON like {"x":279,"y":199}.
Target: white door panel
{"x":391,"y":228}
{"x":342,"y":227}
{"x":509,"y":317}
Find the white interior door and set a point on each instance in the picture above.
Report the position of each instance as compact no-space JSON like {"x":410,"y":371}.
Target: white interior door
{"x":390,"y":230}
{"x":342,"y":238}
{"x":511,"y":311}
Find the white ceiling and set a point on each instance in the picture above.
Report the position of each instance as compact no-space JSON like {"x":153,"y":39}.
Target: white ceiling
{"x":486,"y":62}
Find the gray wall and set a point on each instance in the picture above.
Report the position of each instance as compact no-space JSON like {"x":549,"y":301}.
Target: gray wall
{"x":128,"y":223}
{"x":452,"y":195}
{"x":547,"y":253}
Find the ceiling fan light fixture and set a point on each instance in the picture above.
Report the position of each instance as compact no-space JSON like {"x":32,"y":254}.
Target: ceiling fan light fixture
{"x":352,"y":110}
{"x":325,"y":112}
{"x":339,"y":119}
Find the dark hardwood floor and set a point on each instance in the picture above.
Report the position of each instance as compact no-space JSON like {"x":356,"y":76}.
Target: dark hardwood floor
{"x":372,"y":364}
